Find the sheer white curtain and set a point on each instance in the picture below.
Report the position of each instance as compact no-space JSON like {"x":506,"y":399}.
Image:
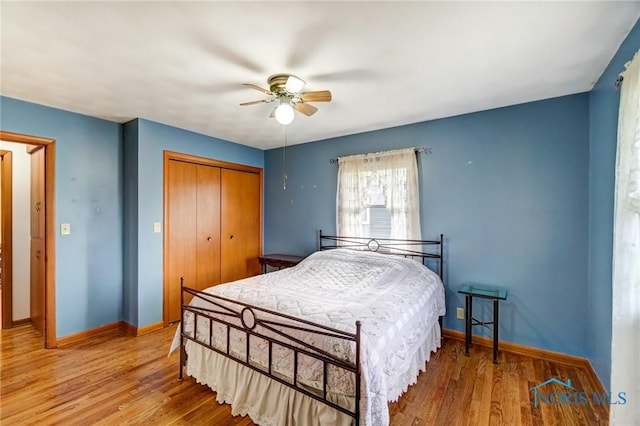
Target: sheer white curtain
{"x":392,"y":174}
{"x":625,"y":341}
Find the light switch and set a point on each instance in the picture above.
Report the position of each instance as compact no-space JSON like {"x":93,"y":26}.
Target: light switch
{"x":157,"y":227}
{"x":65,"y":228}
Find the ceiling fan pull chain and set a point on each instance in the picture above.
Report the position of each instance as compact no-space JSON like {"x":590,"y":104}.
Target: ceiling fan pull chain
{"x":284,"y":160}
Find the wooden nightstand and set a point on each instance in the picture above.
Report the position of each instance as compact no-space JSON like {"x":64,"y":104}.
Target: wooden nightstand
{"x":278,"y":261}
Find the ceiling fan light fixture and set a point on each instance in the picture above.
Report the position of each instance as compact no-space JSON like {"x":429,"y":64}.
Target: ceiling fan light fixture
{"x":286,"y":90}
{"x":294,"y":84}
{"x":284,"y":114}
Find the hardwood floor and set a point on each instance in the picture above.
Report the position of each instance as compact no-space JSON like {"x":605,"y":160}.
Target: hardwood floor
{"x":117,"y":379}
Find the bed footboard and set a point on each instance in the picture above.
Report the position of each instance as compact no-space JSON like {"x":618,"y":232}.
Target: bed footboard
{"x":253,"y":337}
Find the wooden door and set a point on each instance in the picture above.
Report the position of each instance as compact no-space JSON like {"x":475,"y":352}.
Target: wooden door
{"x":181,"y":228}
{"x":36,"y":299}
{"x":37,"y":259}
{"x":37,"y":193}
{"x":193,"y":230}
{"x":240,"y":224}
{"x":48,"y":214}
{"x":208,"y":227}
{"x":210,"y":206}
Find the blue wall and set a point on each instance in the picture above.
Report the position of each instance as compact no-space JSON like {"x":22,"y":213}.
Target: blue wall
{"x":152,"y":139}
{"x":110,"y":267}
{"x":603,"y":108}
{"x":88,"y":195}
{"x":507,"y":187}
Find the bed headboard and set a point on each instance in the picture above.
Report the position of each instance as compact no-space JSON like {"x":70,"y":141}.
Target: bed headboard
{"x":426,"y":250}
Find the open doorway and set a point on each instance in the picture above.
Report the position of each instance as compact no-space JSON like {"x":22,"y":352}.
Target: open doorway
{"x":42,"y":242}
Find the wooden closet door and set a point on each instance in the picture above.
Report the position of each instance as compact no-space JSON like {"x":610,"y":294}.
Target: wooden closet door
{"x":181,"y":233}
{"x":240,"y":224}
{"x":208,"y":227}
{"x":37,"y":258}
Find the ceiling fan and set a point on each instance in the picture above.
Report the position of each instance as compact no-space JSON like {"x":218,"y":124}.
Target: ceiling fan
{"x":285,"y":89}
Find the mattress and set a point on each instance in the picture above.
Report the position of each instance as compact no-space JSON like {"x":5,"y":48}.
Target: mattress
{"x":397,"y":300}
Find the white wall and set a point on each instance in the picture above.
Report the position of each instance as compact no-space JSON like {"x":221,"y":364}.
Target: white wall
{"x":21,"y":228}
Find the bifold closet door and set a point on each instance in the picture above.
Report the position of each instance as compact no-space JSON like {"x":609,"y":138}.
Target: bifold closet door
{"x":193,"y":229}
{"x":207,"y":227}
{"x":240,"y":224}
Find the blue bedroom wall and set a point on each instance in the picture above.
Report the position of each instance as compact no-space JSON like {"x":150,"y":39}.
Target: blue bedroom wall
{"x":509,"y":189}
{"x":153,"y":139}
{"x":88,"y":195}
{"x":603,"y":110}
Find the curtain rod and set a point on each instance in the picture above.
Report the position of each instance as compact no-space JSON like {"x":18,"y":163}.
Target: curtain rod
{"x":420,"y":149}
{"x":618,"y":82}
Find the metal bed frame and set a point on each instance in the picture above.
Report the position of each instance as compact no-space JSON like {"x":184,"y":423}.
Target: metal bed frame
{"x":287,"y":331}
{"x":404,"y":248}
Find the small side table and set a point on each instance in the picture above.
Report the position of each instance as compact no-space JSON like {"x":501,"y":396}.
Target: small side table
{"x":485,"y":292}
{"x":278,"y":261}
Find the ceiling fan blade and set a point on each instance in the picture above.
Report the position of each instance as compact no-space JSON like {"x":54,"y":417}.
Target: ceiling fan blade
{"x":262,"y":101}
{"x":304,"y":108}
{"x":317,"y":96}
{"x":265,"y":91}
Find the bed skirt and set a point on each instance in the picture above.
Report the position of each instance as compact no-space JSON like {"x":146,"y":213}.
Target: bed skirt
{"x":270,"y":403}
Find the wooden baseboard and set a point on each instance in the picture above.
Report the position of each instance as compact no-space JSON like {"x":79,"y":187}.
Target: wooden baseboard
{"x":592,"y":371}
{"x":132,"y":330}
{"x":515,"y":348}
{"x":120,"y":325}
{"x":150,"y":328}
{"x":23,"y":321}
{"x":72,"y":338}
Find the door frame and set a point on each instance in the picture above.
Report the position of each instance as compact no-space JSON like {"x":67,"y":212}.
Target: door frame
{"x":7,"y":238}
{"x":50,"y":276}
{"x":188,"y":158}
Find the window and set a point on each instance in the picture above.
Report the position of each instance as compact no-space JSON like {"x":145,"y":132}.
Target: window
{"x":376,"y":217}
{"x":378,"y":195}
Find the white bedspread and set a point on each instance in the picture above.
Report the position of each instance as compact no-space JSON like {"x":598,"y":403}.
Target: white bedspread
{"x":396,"y":299}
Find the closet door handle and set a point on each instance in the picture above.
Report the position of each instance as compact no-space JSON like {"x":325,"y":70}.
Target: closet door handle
{"x":208,"y":238}
{"x":231,"y":237}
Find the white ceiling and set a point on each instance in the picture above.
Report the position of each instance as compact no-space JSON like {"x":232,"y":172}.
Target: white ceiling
{"x":386,"y":63}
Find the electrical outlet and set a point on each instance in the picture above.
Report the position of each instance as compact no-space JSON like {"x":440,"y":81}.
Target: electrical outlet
{"x":460,"y":313}
{"x":157,"y":227}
